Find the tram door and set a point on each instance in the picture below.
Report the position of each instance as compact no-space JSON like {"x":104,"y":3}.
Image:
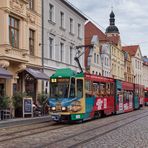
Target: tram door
{"x":120,"y":102}
{"x":131,"y":100}
{"x":120,"y":105}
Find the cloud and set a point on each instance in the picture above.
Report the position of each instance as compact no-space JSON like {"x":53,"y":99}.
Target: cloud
{"x":131,"y":18}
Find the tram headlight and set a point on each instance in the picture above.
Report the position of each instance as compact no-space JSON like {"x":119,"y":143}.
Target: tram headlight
{"x":53,"y":108}
{"x":64,"y":108}
{"x":76,"y":106}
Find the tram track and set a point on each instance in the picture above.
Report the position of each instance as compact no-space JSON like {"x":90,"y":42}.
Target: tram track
{"x":29,"y":132}
{"x":20,"y":128}
{"x":51,"y":127}
{"x":75,"y":136}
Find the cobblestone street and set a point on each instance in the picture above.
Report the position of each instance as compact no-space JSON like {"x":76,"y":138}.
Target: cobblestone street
{"x":128,"y":130}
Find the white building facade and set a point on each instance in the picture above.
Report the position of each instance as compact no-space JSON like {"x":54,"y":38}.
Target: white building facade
{"x":137,"y":63}
{"x":63,"y":30}
{"x":145,"y":75}
{"x":95,"y":62}
{"x":145,"y":71}
{"x":106,"y":60}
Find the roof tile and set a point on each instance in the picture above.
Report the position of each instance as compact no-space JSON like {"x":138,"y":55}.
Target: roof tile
{"x":131,"y":49}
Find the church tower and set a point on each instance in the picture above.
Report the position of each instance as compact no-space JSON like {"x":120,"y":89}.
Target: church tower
{"x":112,"y":30}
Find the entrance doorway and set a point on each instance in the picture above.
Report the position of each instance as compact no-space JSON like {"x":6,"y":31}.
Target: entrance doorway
{"x":30,"y":86}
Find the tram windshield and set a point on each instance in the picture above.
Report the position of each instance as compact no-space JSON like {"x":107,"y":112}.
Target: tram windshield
{"x":59,"y":88}
{"x":62,"y":88}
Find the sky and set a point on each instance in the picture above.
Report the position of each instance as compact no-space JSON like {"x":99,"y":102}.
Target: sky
{"x":131,"y":18}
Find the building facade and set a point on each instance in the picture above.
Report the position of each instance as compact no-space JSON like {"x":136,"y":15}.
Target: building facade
{"x":20,"y":53}
{"x":63,"y":30}
{"x":103,"y":52}
{"x":117,"y":62}
{"x":145,"y":71}
{"x":128,"y":69}
{"x":106,"y":59}
{"x":137,"y":62}
{"x":94,"y":66}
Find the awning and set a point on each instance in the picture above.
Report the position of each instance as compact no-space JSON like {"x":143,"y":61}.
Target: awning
{"x":37,"y":74}
{"x":5,"y":73}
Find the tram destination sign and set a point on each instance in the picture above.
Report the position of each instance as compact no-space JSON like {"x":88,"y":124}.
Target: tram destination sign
{"x":60,"y":80}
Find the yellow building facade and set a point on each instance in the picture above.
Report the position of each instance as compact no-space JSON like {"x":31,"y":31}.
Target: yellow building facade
{"x":128,"y":69}
{"x":117,"y":62}
{"x":20,"y":47}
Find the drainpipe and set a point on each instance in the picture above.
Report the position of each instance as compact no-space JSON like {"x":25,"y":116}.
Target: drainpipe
{"x":42,"y":41}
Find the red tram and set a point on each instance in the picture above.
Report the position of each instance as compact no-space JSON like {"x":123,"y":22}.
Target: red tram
{"x":83,"y":96}
{"x":146,"y":96}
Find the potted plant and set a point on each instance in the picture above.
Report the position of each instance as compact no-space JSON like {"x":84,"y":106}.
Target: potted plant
{"x":4,"y":104}
{"x":42,"y":100}
{"x":17,"y":99}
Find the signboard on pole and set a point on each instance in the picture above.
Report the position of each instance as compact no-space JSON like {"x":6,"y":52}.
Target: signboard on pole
{"x":27,"y":107}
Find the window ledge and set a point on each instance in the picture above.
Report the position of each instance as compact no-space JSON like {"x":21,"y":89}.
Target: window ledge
{"x":62,"y":28}
{"x":71,"y":33}
{"x":79,"y":38}
{"x":51,"y":22}
{"x":32,"y":10}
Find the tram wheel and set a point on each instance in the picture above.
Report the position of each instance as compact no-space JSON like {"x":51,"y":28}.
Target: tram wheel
{"x":97,"y":115}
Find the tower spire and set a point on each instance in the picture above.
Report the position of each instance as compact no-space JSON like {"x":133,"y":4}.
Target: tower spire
{"x":112,"y":28}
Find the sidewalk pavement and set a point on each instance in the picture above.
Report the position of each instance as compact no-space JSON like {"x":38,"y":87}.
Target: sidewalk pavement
{"x":23,"y":121}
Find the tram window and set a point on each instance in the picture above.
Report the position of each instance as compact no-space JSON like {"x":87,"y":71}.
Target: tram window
{"x":142,"y":92}
{"x":95,"y":89}
{"x":88,"y":85}
{"x":146,"y":94}
{"x":95,"y":86}
{"x":112,"y":89}
{"x":124,"y":96}
{"x":136,"y":91}
{"x":79,"y":88}
{"x":128,"y":94}
{"x":98,"y":90}
{"x":102,"y":88}
{"x":107,"y":88}
{"x":72,"y":88}
{"x":88,"y":88}
{"x":118,"y":94}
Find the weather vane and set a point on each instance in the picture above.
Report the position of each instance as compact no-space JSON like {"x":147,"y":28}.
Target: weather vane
{"x":112,"y":8}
